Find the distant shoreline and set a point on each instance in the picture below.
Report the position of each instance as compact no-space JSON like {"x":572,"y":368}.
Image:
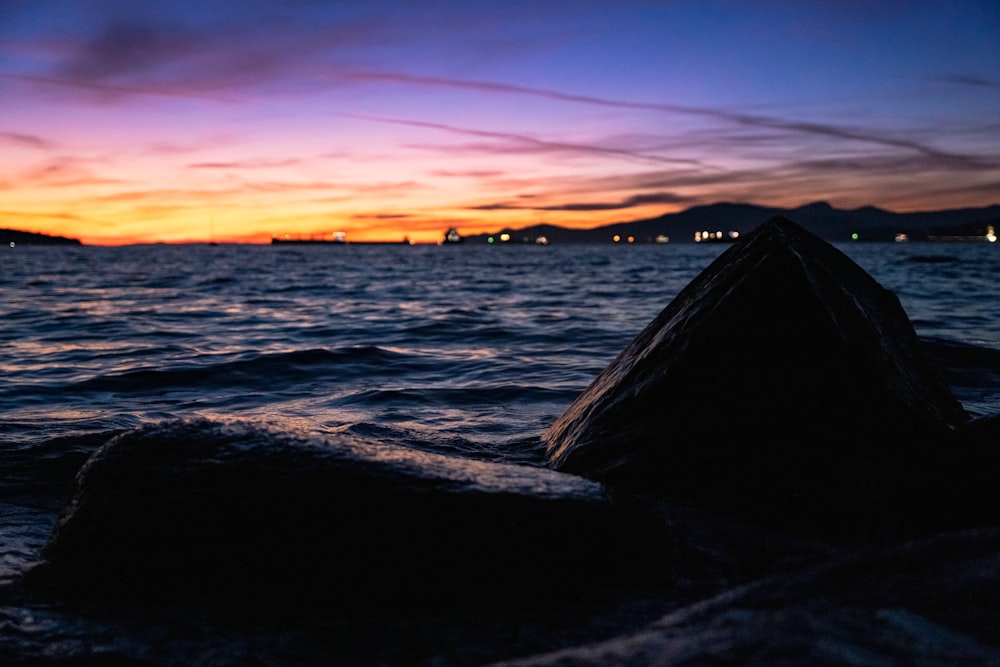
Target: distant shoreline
{"x":14,"y":237}
{"x":715,"y":223}
{"x":277,"y":241}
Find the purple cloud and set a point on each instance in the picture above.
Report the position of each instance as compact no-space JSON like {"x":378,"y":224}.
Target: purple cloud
{"x":969,"y":80}
{"x":629,"y":202}
{"x":246,"y":164}
{"x":27,"y":140}
{"x":382,"y":216}
{"x":471,"y":173}
{"x":260,"y":46}
{"x":512,"y":142}
{"x":823,"y":130}
{"x":227,"y":51}
{"x":109,"y":91}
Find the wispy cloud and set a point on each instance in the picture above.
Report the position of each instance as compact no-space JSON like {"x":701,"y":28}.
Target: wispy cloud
{"x":14,"y":214}
{"x":67,"y":171}
{"x":27,"y":140}
{"x":169,"y":194}
{"x":941,"y":157}
{"x":223,"y":53}
{"x":629,"y":202}
{"x":383,"y":216}
{"x":128,"y":47}
{"x":972,"y":80}
{"x":469,"y":173}
{"x":795,"y":127}
{"x":928,"y":197}
{"x":247,"y":164}
{"x":224,"y":63}
{"x":107,"y":91}
{"x":217,"y":140}
{"x":512,"y":142}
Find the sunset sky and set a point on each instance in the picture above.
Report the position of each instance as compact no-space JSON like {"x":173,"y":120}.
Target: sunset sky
{"x":125,"y":121}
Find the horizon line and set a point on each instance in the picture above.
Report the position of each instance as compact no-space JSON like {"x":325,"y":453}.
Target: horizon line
{"x":406,"y":241}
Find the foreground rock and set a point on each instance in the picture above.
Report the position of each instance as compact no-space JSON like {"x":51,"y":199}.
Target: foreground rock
{"x":207,"y":509}
{"x":783,"y":383}
{"x":929,"y":602}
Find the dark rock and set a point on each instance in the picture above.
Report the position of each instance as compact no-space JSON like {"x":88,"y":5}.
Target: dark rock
{"x":783,"y":383}
{"x":928,"y":602}
{"x":238,"y":512}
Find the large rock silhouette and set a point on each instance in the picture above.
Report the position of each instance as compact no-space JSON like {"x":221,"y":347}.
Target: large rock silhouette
{"x":245,"y":514}
{"x":783,"y":382}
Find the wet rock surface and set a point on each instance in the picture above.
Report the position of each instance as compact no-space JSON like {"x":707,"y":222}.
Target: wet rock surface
{"x":236,"y":510}
{"x":783,"y":383}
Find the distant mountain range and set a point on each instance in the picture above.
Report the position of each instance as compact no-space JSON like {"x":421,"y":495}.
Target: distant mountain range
{"x":15,"y":237}
{"x":869,"y":223}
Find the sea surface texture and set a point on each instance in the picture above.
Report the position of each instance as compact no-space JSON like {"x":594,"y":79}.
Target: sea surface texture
{"x":470,"y":350}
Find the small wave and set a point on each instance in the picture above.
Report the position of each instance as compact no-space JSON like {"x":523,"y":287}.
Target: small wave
{"x":932,"y":259}
{"x":965,"y":364}
{"x":39,"y":474}
{"x":450,"y":330}
{"x":259,"y":371}
{"x":972,"y":371}
{"x":460,"y":396}
{"x":527,"y":450}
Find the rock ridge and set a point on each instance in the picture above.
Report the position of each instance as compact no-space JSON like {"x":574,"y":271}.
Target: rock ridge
{"x":783,"y":380}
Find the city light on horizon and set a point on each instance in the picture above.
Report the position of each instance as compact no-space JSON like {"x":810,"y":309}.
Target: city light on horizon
{"x":239,"y":122}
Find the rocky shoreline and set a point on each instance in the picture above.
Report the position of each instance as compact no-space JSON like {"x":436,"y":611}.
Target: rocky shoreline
{"x":773,"y":472}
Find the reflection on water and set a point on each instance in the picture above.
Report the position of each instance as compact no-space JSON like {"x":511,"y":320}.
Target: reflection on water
{"x":952,"y":297}
{"x":475,"y":341}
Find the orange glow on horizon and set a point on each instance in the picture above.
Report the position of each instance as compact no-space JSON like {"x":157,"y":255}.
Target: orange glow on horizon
{"x":94,"y":222}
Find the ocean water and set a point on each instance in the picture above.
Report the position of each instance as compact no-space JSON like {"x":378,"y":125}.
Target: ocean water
{"x":471,"y":350}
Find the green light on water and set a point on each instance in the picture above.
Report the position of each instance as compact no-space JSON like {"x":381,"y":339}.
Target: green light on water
{"x":854,"y":236}
{"x":489,"y":239}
